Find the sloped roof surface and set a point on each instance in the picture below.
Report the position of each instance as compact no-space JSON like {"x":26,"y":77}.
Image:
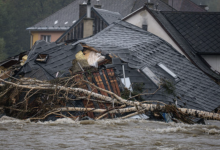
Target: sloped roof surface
{"x":60,"y":60}
{"x":161,"y":5}
{"x":66,"y":16}
{"x":140,"y":48}
{"x":185,"y":5}
{"x":108,"y":16}
{"x":183,"y":43}
{"x":201,"y":30}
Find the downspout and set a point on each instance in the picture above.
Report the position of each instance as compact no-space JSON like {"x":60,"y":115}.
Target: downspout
{"x":31,"y":39}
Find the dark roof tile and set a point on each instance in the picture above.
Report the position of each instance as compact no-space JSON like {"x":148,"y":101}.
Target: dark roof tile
{"x":183,"y":28}
{"x":196,"y":89}
{"x":68,"y":15}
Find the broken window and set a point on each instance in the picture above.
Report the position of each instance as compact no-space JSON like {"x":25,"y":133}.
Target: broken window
{"x":42,"y":58}
{"x":46,"y":38}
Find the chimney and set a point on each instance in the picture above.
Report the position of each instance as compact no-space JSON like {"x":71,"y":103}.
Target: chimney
{"x":204,"y":7}
{"x":149,"y":4}
{"x":98,"y":6}
{"x":88,"y":22}
{"x":88,"y":9}
{"x":82,"y":9}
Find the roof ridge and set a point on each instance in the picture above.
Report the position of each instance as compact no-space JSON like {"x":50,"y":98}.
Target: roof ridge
{"x":107,"y":10}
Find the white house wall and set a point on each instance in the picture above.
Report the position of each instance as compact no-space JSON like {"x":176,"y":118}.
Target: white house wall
{"x":213,"y":61}
{"x":153,"y":26}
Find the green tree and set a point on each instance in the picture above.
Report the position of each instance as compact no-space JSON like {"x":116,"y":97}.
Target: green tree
{"x":17,"y":15}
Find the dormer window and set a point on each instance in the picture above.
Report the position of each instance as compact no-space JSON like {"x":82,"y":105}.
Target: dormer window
{"x":42,"y":58}
{"x":46,"y":38}
{"x":167,"y":70}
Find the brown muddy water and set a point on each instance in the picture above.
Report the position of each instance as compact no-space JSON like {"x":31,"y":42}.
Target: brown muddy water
{"x":107,"y":134}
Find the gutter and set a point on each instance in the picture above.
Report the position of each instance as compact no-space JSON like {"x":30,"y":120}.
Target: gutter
{"x":48,"y":28}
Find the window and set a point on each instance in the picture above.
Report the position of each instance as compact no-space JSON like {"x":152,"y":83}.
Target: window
{"x":46,"y":38}
{"x":171,"y":73}
{"x":144,"y":27}
{"x":151,"y":75}
{"x":42,"y":58}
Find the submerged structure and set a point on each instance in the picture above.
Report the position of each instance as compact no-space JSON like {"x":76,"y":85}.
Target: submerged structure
{"x":96,"y":76}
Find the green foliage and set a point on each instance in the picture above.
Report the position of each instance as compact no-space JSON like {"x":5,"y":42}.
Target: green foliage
{"x":169,"y":86}
{"x":17,"y":15}
{"x":137,"y":89}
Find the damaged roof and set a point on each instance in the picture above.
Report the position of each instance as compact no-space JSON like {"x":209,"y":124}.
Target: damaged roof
{"x":141,"y":49}
{"x":67,"y":16}
{"x":195,"y":33}
{"x":60,"y":57}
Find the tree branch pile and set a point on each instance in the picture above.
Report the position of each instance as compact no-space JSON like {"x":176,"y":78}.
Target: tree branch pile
{"x":33,"y":99}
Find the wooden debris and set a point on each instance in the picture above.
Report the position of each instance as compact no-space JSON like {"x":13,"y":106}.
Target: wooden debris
{"x":50,"y":96}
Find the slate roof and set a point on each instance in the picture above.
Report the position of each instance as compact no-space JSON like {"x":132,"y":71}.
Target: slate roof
{"x":60,"y":60}
{"x":191,"y":45}
{"x":140,"y":48}
{"x":185,"y":5}
{"x":107,"y":15}
{"x":201,"y":30}
{"x":67,"y":16}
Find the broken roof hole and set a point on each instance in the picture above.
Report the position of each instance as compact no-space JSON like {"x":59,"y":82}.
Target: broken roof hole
{"x":42,"y":58}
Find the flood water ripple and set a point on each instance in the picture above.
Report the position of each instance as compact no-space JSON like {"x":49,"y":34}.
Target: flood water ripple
{"x":107,"y":134}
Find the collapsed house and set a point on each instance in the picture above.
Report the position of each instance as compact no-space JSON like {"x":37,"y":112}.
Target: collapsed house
{"x":122,"y":60}
{"x":11,"y":65}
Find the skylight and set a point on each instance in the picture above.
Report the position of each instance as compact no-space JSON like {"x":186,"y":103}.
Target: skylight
{"x":66,"y":22}
{"x":162,"y":66}
{"x":74,"y":21}
{"x":151,"y":75}
{"x":56,"y":22}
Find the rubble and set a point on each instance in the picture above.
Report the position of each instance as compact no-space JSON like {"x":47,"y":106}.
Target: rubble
{"x":87,"y":92}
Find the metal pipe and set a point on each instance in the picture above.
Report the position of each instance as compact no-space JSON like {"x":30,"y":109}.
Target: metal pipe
{"x":123,"y":68}
{"x":88,"y":9}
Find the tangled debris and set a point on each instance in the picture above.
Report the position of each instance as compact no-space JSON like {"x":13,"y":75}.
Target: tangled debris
{"x":33,"y":99}
{"x":95,"y":86}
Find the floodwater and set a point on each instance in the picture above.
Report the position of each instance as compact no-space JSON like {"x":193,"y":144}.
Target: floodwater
{"x":107,"y":134}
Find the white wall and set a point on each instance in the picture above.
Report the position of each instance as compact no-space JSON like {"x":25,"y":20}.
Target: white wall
{"x":213,"y":61}
{"x":153,"y":26}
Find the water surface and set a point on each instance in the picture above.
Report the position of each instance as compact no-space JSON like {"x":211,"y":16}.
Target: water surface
{"x":107,"y":134}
